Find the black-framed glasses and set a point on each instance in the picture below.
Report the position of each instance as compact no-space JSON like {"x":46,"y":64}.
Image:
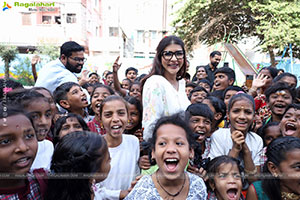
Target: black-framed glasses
{"x":168,"y":55}
{"x":78,"y":59}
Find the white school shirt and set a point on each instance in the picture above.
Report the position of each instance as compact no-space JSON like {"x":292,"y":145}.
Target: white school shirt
{"x":124,"y":168}
{"x":221,"y":144}
{"x":43,"y":156}
{"x":160,"y":99}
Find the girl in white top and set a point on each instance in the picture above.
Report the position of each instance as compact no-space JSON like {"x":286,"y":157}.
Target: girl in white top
{"x":163,"y":90}
{"x":238,"y":141}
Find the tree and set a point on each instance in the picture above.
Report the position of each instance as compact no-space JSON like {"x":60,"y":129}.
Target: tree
{"x":276,"y":23}
{"x":8,"y":54}
{"x":23,"y":72}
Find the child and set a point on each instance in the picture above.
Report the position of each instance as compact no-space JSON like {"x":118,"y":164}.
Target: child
{"x":224,"y":77}
{"x":189,"y":87}
{"x":172,"y":153}
{"x":124,"y":149}
{"x":290,"y":123}
{"x":131,"y":73}
{"x":206,"y":84}
{"x":126,"y":83}
{"x":99,"y":93}
{"x":109,"y":78}
{"x":230,"y":92}
{"x":135,"y":90}
{"x":278,"y":97}
{"x":197,"y":95}
{"x":238,"y":141}
{"x":89,"y":87}
{"x":135,"y":111}
{"x":94,"y":78}
{"x":18,"y":147}
{"x":225,"y":178}
{"x":70,"y":96}
{"x":79,"y":153}
{"x":282,"y":168}
{"x":287,"y":78}
{"x":67,"y":124}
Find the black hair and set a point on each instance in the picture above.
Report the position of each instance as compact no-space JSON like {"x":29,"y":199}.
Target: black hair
{"x":60,"y":93}
{"x":131,"y":69}
{"x":177,"y":119}
{"x":197,"y":89}
{"x":272,"y":70}
{"x":139,"y":107}
{"x":218,"y":94}
{"x":227,"y":71}
{"x":86,"y":85}
{"x":286,"y":74}
{"x":157,"y":68}
{"x":199,"y":109}
{"x":112,"y":98}
{"x":187,"y":75}
{"x":215,"y":164}
{"x":212,"y":54}
{"x":62,"y":120}
{"x":218,"y":105}
{"x":8,"y":84}
{"x":191,"y":84}
{"x":134,"y":83}
{"x":277,"y":87}
{"x":99,"y":85}
{"x":127,"y":79}
{"x":263,"y":129}
{"x":80,"y":153}
{"x":42,"y":88}
{"x":68,"y":47}
{"x":93,"y":73}
{"x":108,"y":73}
{"x":276,"y":153}
{"x":241,"y":96}
{"x":140,"y":77}
{"x":234,"y":88}
{"x":296,"y":106}
{"x":197,"y":68}
{"x":297,"y":95}
{"x":206,"y":81}
{"x":12,"y":110}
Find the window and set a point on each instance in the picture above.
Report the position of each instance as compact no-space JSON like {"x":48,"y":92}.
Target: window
{"x":46,"y":19}
{"x":71,"y":18}
{"x":26,"y":18}
{"x":113,"y":31}
{"x":140,"y":36}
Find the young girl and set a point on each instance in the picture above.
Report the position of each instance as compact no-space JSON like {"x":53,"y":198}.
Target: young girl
{"x":225,"y":179}
{"x":135,"y":90}
{"x":67,"y":124}
{"x":282,"y":168}
{"x":238,"y":141}
{"x":172,"y":153}
{"x":82,"y":154}
{"x":135,"y":111}
{"x":18,"y":147}
{"x":99,"y":93}
{"x":124,"y":149}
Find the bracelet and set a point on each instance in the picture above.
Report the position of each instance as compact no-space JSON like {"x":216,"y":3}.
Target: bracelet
{"x":251,"y":172}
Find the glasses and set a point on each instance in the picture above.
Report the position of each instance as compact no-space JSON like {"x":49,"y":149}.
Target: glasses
{"x":78,"y":59}
{"x":168,"y":55}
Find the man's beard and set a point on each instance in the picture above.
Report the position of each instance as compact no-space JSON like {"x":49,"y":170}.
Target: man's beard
{"x":215,"y":64}
{"x":73,"y":68}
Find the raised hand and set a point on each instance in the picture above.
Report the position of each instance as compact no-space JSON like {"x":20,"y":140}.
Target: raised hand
{"x":84,"y":77}
{"x":116,"y":66}
{"x":238,"y":140}
{"x":259,"y":81}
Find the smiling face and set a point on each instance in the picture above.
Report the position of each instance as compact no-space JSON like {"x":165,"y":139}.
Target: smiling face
{"x":201,"y":126}
{"x":125,"y":84}
{"x":131,"y":75}
{"x":197,"y":97}
{"x":201,"y":73}
{"x":221,"y":81}
{"x":41,"y":115}
{"x":54,"y":109}
{"x":172,"y":151}
{"x":135,"y":91}
{"x":290,"y":123}
{"x":18,"y":145}
{"x":71,"y":125}
{"x":172,"y":66}
{"x":110,"y":79}
{"x":94,"y":79}
{"x":291,"y":81}
{"x":76,"y":98}
{"x":271,"y":133}
{"x":241,"y":115}
{"x":279,"y":101}
{"x":228,"y":182}
{"x":205,"y":86}
{"x":134,"y":116}
{"x":114,"y":118}
{"x":70,"y":62}
{"x":99,"y":95}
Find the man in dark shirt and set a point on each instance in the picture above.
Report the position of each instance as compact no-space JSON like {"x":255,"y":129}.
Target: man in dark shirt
{"x":215,"y":58}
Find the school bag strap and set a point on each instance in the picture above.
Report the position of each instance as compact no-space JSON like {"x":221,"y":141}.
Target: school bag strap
{"x":42,"y":177}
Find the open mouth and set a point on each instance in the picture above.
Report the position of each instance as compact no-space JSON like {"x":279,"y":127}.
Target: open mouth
{"x":42,"y":132}
{"x":217,"y":84}
{"x":171,"y":164}
{"x":280,"y":106}
{"x":84,"y":100}
{"x":116,"y":129}
{"x":23,"y":162}
{"x":232,"y":193}
{"x":173,"y":66}
{"x":290,"y":129}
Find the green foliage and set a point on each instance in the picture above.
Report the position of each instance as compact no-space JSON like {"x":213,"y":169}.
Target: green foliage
{"x":275,"y":22}
{"x":48,"y":50}
{"x":8,"y":54}
{"x":23,"y":71}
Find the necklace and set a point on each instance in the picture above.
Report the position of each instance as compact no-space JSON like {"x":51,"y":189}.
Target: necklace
{"x":172,"y":195}
{"x":289,"y":196}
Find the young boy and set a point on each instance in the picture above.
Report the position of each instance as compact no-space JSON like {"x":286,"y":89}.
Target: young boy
{"x":131,"y":73}
{"x":94,"y":78}
{"x":290,"y":123}
{"x":224,"y":77}
{"x":278,"y":97}
{"x":189,"y":87}
{"x":197,"y":95}
{"x":70,"y":96}
{"x":206,"y":84}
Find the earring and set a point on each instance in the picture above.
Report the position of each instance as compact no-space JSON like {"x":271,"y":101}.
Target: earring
{"x":101,"y":125}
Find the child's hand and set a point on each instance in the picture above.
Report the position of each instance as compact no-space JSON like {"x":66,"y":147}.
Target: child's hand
{"x":238,"y":140}
{"x":139,"y":134}
{"x":116,"y":66}
{"x":199,"y":172}
{"x":134,"y":182}
{"x":259,"y":81}
{"x":144,"y":162}
{"x":84,"y":77}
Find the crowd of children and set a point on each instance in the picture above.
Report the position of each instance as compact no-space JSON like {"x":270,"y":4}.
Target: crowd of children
{"x":154,"y":136}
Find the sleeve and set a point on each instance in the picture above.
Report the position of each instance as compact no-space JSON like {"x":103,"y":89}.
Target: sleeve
{"x":258,"y":153}
{"x":154,"y":105}
{"x":217,"y":149}
{"x":142,"y":190}
{"x":102,"y":193}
